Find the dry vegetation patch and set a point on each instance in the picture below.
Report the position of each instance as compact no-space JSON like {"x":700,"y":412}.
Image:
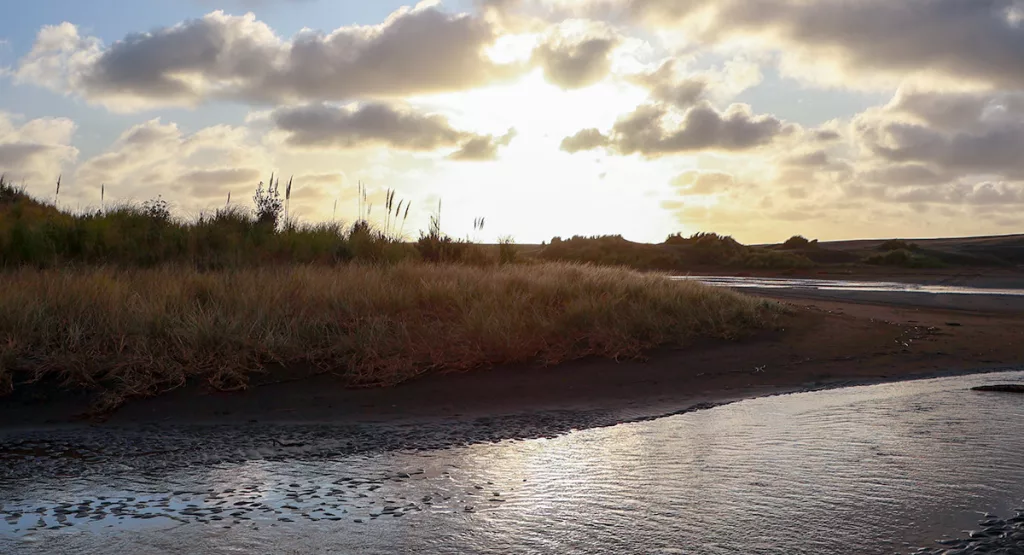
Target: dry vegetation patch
{"x":121,"y":333}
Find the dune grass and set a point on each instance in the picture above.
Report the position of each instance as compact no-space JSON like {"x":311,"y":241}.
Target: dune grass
{"x":122,"y":333}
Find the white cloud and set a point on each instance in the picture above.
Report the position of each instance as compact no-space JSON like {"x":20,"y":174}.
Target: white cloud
{"x":848,"y":44}
{"x":158,"y":159}
{"x":416,"y":50}
{"x":35,"y":150}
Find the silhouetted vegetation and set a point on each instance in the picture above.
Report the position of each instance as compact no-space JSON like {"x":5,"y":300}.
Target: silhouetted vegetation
{"x":507,"y":251}
{"x":438,"y":247}
{"x":130,"y":301}
{"x":896,"y":245}
{"x":799,"y":242}
{"x":677,"y":253}
{"x":36,"y":234}
{"x":903,"y":258}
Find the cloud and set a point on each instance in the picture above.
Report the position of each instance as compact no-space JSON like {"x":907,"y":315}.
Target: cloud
{"x":59,"y":52}
{"x":991,"y":195}
{"x":952,"y":110}
{"x":993,"y":149}
{"x":483,"y":148}
{"x":195,"y":171}
{"x":333,"y":179}
{"x":213,"y":178}
{"x":158,"y":159}
{"x":647,"y":131}
{"x":576,"y":60}
{"x":35,"y":150}
{"x":13,"y":155}
{"x":322,"y":126}
{"x":928,"y":147}
{"x":812,"y":159}
{"x":219,"y":56}
{"x":703,"y":183}
{"x":951,"y":40}
{"x":881,"y":42}
{"x":905,"y":174}
{"x":670,"y":84}
{"x":665,"y":85}
{"x":586,"y":139}
{"x":826,"y":135}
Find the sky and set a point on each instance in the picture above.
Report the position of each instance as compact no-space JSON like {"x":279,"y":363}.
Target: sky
{"x":760,"y":119}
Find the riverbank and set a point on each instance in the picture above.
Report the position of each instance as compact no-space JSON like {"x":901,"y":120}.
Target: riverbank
{"x":819,"y":344}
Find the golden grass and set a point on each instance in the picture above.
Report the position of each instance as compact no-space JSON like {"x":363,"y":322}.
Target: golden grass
{"x":125,"y":333}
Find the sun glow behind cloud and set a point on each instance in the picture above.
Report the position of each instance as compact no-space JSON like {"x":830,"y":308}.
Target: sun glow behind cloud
{"x":552,"y":117}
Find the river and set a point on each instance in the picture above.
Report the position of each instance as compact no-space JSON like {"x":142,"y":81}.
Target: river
{"x":1001,"y":299}
{"x":872,"y":469}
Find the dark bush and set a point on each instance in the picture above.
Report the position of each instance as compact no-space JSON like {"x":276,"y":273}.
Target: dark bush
{"x":269,"y":204}
{"x":897,"y":244}
{"x":798,"y":242}
{"x":507,"y":252}
{"x":904,"y":258}
{"x":774,"y":260}
{"x":711,"y":248}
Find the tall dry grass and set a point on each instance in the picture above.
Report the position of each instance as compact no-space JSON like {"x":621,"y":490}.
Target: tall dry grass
{"x":139,"y":332}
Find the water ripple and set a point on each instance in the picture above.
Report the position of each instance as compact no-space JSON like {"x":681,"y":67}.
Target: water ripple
{"x":877,"y":469}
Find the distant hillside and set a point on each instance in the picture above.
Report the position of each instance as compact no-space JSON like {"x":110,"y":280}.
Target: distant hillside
{"x":997,"y":250}
{"x":704,"y":252}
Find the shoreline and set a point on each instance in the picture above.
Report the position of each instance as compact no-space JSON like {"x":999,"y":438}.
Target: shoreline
{"x":824,"y":344}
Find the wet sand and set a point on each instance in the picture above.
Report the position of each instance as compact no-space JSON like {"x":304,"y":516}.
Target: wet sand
{"x":824,"y":342}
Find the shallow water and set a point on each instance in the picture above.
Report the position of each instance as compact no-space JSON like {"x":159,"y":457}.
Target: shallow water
{"x":845,"y":285}
{"x":875,"y":469}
